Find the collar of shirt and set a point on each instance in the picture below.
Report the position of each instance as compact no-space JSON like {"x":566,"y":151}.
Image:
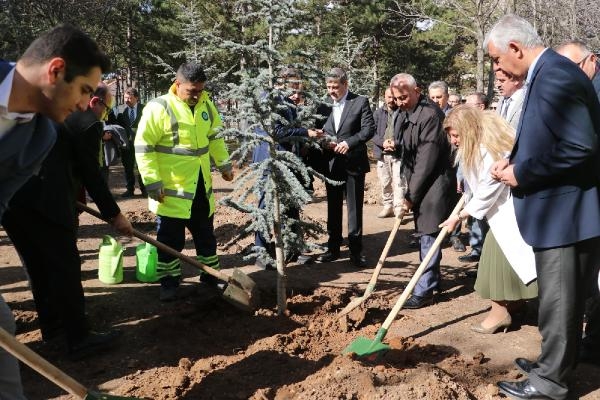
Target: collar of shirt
{"x":532,"y":67}
{"x":5,"y":89}
{"x":341,"y":102}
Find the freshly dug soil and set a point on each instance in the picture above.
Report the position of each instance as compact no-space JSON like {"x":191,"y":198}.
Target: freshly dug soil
{"x":201,"y":347}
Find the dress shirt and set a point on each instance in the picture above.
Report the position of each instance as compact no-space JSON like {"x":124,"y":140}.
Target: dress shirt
{"x":336,"y":110}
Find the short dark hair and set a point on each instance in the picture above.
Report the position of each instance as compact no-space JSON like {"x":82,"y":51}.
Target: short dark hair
{"x":191,"y":72}
{"x":80,"y":52}
{"x":132,"y":92}
{"x":101,"y":91}
{"x":337,"y":74}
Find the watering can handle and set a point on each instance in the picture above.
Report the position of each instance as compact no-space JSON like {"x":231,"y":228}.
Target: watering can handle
{"x":115,"y":262}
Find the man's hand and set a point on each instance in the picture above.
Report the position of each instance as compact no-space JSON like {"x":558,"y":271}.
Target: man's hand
{"x":451,"y":222}
{"x":389,"y":145}
{"x":122,"y":225}
{"x":315,"y":133}
{"x":507,"y":176}
{"x":157,"y":195}
{"x":341,"y":148}
{"x":106,"y":136}
{"x":227,"y":175}
{"x":498,"y":167}
{"x":407,"y":205}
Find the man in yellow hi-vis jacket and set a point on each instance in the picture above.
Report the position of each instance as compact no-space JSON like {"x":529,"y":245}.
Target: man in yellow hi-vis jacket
{"x":175,"y":141}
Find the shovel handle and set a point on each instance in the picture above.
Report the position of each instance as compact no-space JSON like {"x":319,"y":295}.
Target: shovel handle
{"x":386,"y":249}
{"x":413,"y":282}
{"x":39,"y":364}
{"x":162,"y":246}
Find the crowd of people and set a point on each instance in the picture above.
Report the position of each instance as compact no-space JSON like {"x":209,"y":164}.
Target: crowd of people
{"x":527,"y":169}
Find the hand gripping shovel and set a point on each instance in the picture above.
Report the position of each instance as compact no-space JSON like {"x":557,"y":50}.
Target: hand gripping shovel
{"x":357,"y":301}
{"x":240,"y":291}
{"x":365,"y":347}
{"x":49,"y":371}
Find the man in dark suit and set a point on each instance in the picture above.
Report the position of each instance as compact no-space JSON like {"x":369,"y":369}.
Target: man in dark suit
{"x":49,"y":252}
{"x":555,"y":191}
{"x":420,"y":138}
{"x":351,"y":124}
{"x":128,"y":116}
{"x":578,"y":52}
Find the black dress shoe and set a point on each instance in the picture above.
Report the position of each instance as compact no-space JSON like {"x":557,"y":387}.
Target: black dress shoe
{"x":415,"y":302}
{"x":127,"y":194}
{"x":92,"y":343}
{"x":520,"y":390}
{"x":469,"y":258}
{"x":358,"y":260}
{"x":525,"y":365}
{"x":328,"y":256}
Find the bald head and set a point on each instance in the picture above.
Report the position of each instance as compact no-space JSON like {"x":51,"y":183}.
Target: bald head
{"x":578,"y":52}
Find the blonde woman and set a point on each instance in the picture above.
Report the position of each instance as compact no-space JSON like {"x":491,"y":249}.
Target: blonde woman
{"x":506,"y":272}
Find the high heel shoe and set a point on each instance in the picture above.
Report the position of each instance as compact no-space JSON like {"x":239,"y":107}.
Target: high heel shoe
{"x":503,"y":324}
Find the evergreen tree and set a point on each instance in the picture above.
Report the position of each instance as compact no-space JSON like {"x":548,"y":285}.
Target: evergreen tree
{"x":281,"y":177}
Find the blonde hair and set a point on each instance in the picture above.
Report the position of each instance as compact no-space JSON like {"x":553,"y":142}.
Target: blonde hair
{"x":476,"y":129}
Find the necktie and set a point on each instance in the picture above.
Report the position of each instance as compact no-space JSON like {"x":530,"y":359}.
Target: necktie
{"x":131,"y":115}
{"x":505,"y":106}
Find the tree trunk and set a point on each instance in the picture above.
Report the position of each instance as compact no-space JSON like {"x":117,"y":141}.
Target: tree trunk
{"x":479,"y":73}
{"x":279,"y":258}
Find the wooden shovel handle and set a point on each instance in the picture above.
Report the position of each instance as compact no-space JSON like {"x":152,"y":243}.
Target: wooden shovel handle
{"x":39,"y":364}
{"x":386,"y":249}
{"x":162,"y":246}
{"x":413,"y":282}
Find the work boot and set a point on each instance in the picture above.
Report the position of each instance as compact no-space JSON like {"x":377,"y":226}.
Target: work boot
{"x":386,"y":212}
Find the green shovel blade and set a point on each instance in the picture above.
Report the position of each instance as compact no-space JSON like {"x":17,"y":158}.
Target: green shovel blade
{"x":362,"y":346}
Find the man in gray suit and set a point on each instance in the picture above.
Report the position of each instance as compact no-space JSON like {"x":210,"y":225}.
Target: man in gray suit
{"x":512,"y":92}
{"x":56,"y":75}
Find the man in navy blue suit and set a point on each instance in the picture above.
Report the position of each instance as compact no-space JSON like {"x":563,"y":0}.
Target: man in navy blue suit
{"x":553,"y":173}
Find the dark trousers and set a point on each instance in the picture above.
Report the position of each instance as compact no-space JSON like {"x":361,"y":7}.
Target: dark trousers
{"x":564,"y":277}
{"x":129,"y":167}
{"x":355,"y":193}
{"x":171,"y":231}
{"x":49,"y":252}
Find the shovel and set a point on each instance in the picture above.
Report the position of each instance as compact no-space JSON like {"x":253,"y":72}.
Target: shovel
{"x":357,"y":301}
{"x":240,"y":291}
{"x":365,"y":347}
{"x":49,"y":371}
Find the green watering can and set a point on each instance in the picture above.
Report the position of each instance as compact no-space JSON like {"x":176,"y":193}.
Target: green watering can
{"x":146,"y":259}
{"x":110,"y":261}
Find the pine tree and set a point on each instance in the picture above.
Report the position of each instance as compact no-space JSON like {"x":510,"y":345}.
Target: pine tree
{"x":282,"y":177}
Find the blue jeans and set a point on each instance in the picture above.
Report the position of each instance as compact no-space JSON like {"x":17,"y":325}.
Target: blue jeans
{"x":479,"y":229}
{"x":431,"y":276}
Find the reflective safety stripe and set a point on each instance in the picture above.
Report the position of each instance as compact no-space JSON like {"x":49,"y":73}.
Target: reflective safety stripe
{"x":172,"y":117}
{"x":210,"y":261}
{"x":171,"y":150}
{"x":181,"y":151}
{"x":154,"y":185}
{"x":179,"y":194}
{"x":172,"y":268}
{"x":144,"y":148}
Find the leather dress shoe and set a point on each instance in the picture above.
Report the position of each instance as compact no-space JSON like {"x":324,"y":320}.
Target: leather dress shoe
{"x":520,"y":390}
{"x":525,"y":365}
{"x":358,"y":260}
{"x":127,"y":194}
{"x":328,"y":256}
{"x":469,"y":258}
{"x":457,"y":245}
{"x":415,"y":302}
{"x":93,"y":342}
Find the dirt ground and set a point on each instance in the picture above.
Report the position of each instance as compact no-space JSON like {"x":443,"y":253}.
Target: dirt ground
{"x":201,"y":347}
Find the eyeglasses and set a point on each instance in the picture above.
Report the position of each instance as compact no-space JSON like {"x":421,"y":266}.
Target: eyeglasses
{"x":102,"y":102}
{"x":580,"y":63}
